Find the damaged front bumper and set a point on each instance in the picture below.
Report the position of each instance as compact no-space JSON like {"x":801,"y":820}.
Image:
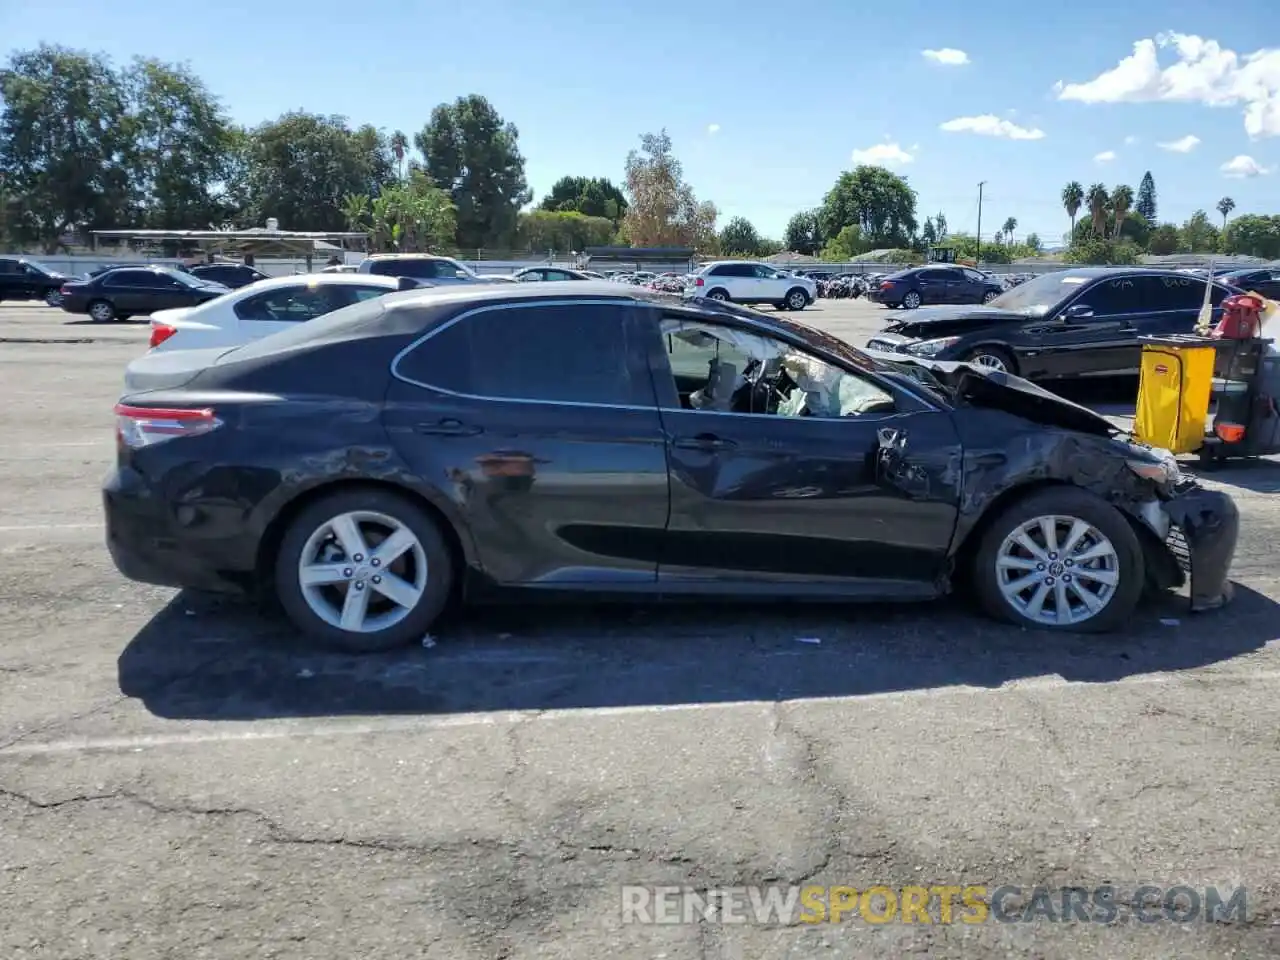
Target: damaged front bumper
{"x":1200,"y":528}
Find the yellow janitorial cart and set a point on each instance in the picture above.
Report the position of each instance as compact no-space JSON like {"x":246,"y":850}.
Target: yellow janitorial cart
{"x":1234,"y":371}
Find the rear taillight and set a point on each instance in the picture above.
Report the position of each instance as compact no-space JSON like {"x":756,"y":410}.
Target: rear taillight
{"x":65,"y":290}
{"x":699,"y":282}
{"x":161,"y":332}
{"x":886,"y":285}
{"x":145,"y":426}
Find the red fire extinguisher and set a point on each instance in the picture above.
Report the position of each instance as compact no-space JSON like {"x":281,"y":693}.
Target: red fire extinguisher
{"x":1241,"y":318}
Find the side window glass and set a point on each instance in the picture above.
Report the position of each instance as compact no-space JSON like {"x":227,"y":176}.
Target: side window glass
{"x":361,"y":294}
{"x":289,"y":305}
{"x":1175,"y":293}
{"x":1112,"y":296}
{"x":722,"y":369}
{"x":126,"y":278}
{"x":8,"y":267}
{"x":555,"y":352}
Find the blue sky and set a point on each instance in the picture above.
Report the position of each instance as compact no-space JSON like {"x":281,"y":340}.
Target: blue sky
{"x":765,"y":106}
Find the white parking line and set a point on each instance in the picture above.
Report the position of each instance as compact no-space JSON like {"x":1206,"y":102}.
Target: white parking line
{"x":363,"y":728}
{"x":43,"y":527}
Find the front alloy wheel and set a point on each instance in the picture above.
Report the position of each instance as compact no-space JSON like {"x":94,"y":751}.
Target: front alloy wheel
{"x":1060,"y":559}
{"x":991,"y":361}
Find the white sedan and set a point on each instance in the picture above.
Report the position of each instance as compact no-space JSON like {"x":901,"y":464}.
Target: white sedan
{"x":264,"y":308}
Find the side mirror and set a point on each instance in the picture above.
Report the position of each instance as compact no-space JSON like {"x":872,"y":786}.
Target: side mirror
{"x":461,"y":275}
{"x":1077,"y":311}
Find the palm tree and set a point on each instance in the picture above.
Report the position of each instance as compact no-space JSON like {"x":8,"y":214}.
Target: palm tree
{"x":1072,"y":197}
{"x":1225,"y":206}
{"x":1098,"y":199}
{"x":355,"y":210}
{"x":1010,"y":225}
{"x":1121,"y":202}
{"x":399,"y":145}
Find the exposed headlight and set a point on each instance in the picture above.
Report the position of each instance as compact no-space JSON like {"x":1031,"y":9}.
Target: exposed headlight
{"x":1153,"y":464}
{"x":929,"y":348}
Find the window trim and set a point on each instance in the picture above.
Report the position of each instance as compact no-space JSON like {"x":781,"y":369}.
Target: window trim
{"x":1078,"y":297}
{"x":624,"y":304}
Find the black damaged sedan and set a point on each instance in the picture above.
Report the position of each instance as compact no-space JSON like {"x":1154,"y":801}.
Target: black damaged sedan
{"x":591,"y":440}
{"x":1070,"y":323}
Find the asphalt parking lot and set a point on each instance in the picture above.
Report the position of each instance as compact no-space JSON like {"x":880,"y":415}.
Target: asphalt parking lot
{"x":181,"y":777}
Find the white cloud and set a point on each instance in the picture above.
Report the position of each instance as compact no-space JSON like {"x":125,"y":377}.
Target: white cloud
{"x":1106,"y":156}
{"x":1242,"y":167}
{"x":947,"y":56}
{"x":1130,"y":141}
{"x":1182,"y":145}
{"x":1204,"y":73}
{"x":883,"y":154}
{"x":713,"y":129}
{"x":989,"y":125}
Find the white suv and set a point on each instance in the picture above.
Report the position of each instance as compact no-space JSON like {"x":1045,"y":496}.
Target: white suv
{"x":744,"y":282}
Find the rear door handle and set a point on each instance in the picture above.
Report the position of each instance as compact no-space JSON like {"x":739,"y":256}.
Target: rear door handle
{"x":1128,"y":330}
{"x":704,"y":441}
{"x":448,"y":427}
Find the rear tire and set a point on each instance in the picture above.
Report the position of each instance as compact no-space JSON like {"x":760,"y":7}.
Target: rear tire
{"x":989,"y":296}
{"x":102,"y":311}
{"x":912,"y":300}
{"x":1105,"y":567}
{"x":422,"y":574}
{"x":796,"y":299}
{"x":720,"y":296}
{"x":53,"y":298}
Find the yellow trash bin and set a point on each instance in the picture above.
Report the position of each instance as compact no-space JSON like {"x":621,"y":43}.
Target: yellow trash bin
{"x":1173,"y":395}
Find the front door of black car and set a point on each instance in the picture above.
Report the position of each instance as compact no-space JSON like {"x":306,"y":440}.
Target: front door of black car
{"x":794,"y":492}
{"x":538,"y":421}
{"x":1095,"y":334}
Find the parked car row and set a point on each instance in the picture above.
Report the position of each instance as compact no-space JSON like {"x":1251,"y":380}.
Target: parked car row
{"x":574,"y":438}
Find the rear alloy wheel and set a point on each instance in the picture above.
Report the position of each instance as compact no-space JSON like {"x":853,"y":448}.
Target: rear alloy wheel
{"x":363,"y":570}
{"x":912,"y":300}
{"x":1061,"y":560}
{"x":102,"y":311}
{"x":53,"y":298}
{"x":797,"y":300}
{"x":718,"y":295}
{"x":989,"y":296}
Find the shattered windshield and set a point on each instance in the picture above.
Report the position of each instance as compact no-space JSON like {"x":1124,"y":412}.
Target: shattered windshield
{"x":1039,"y":296}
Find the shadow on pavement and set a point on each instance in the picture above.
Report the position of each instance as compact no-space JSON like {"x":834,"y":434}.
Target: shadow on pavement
{"x":211,"y":659}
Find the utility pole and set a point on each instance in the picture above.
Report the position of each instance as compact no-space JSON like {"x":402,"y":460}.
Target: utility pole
{"x":978,"y":252}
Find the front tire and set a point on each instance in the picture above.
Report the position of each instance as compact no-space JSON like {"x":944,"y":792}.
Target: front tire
{"x":992,"y":358}
{"x":1060,"y":559}
{"x":912,"y":300}
{"x":363,"y":571}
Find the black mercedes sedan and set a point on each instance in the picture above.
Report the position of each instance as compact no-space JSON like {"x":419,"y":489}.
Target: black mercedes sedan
{"x":123,"y":292}
{"x":913,"y":288}
{"x":592,"y":439}
{"x":1069,"y":323}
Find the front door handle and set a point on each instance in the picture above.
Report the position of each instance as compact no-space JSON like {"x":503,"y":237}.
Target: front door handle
{"x":448,"y":427}
{"x":704,"y":441}
{"x":1128,"y":330}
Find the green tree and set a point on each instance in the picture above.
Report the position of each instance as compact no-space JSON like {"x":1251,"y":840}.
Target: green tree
{"x":1133,"y":228}
{"x":1010,"y":225}
{"x":663,"y":210}
{"x":1096,"y":250}
{"x":472,"y":153}
{"x":1164,"y":240}
{"x":590,"y":196}
{"x":181,"y":151}
{"x":739,"y":236}
{"x":65,"y":142}
{"x":399,"y":149}
{"x":940,"y":225}
{"x":1121,"y":201}
{"x":1225,"y":206}
{"x":562,"y":230}
{"x":1254,"y":236}
{"x":928,"y":233}
{"x":845,"y":245}
{"x":1034,"y":244}
{"x":1147,"y":199}
{"x":878,"y":202}
{"x":1072,"y":198}
{"x":1099,"y":202}
{"x":1198,"y":235}
{"x":413,"y":217}
{"x":802,"y":234}
{"x":356,"y":211}
{"x":301,"y":166}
